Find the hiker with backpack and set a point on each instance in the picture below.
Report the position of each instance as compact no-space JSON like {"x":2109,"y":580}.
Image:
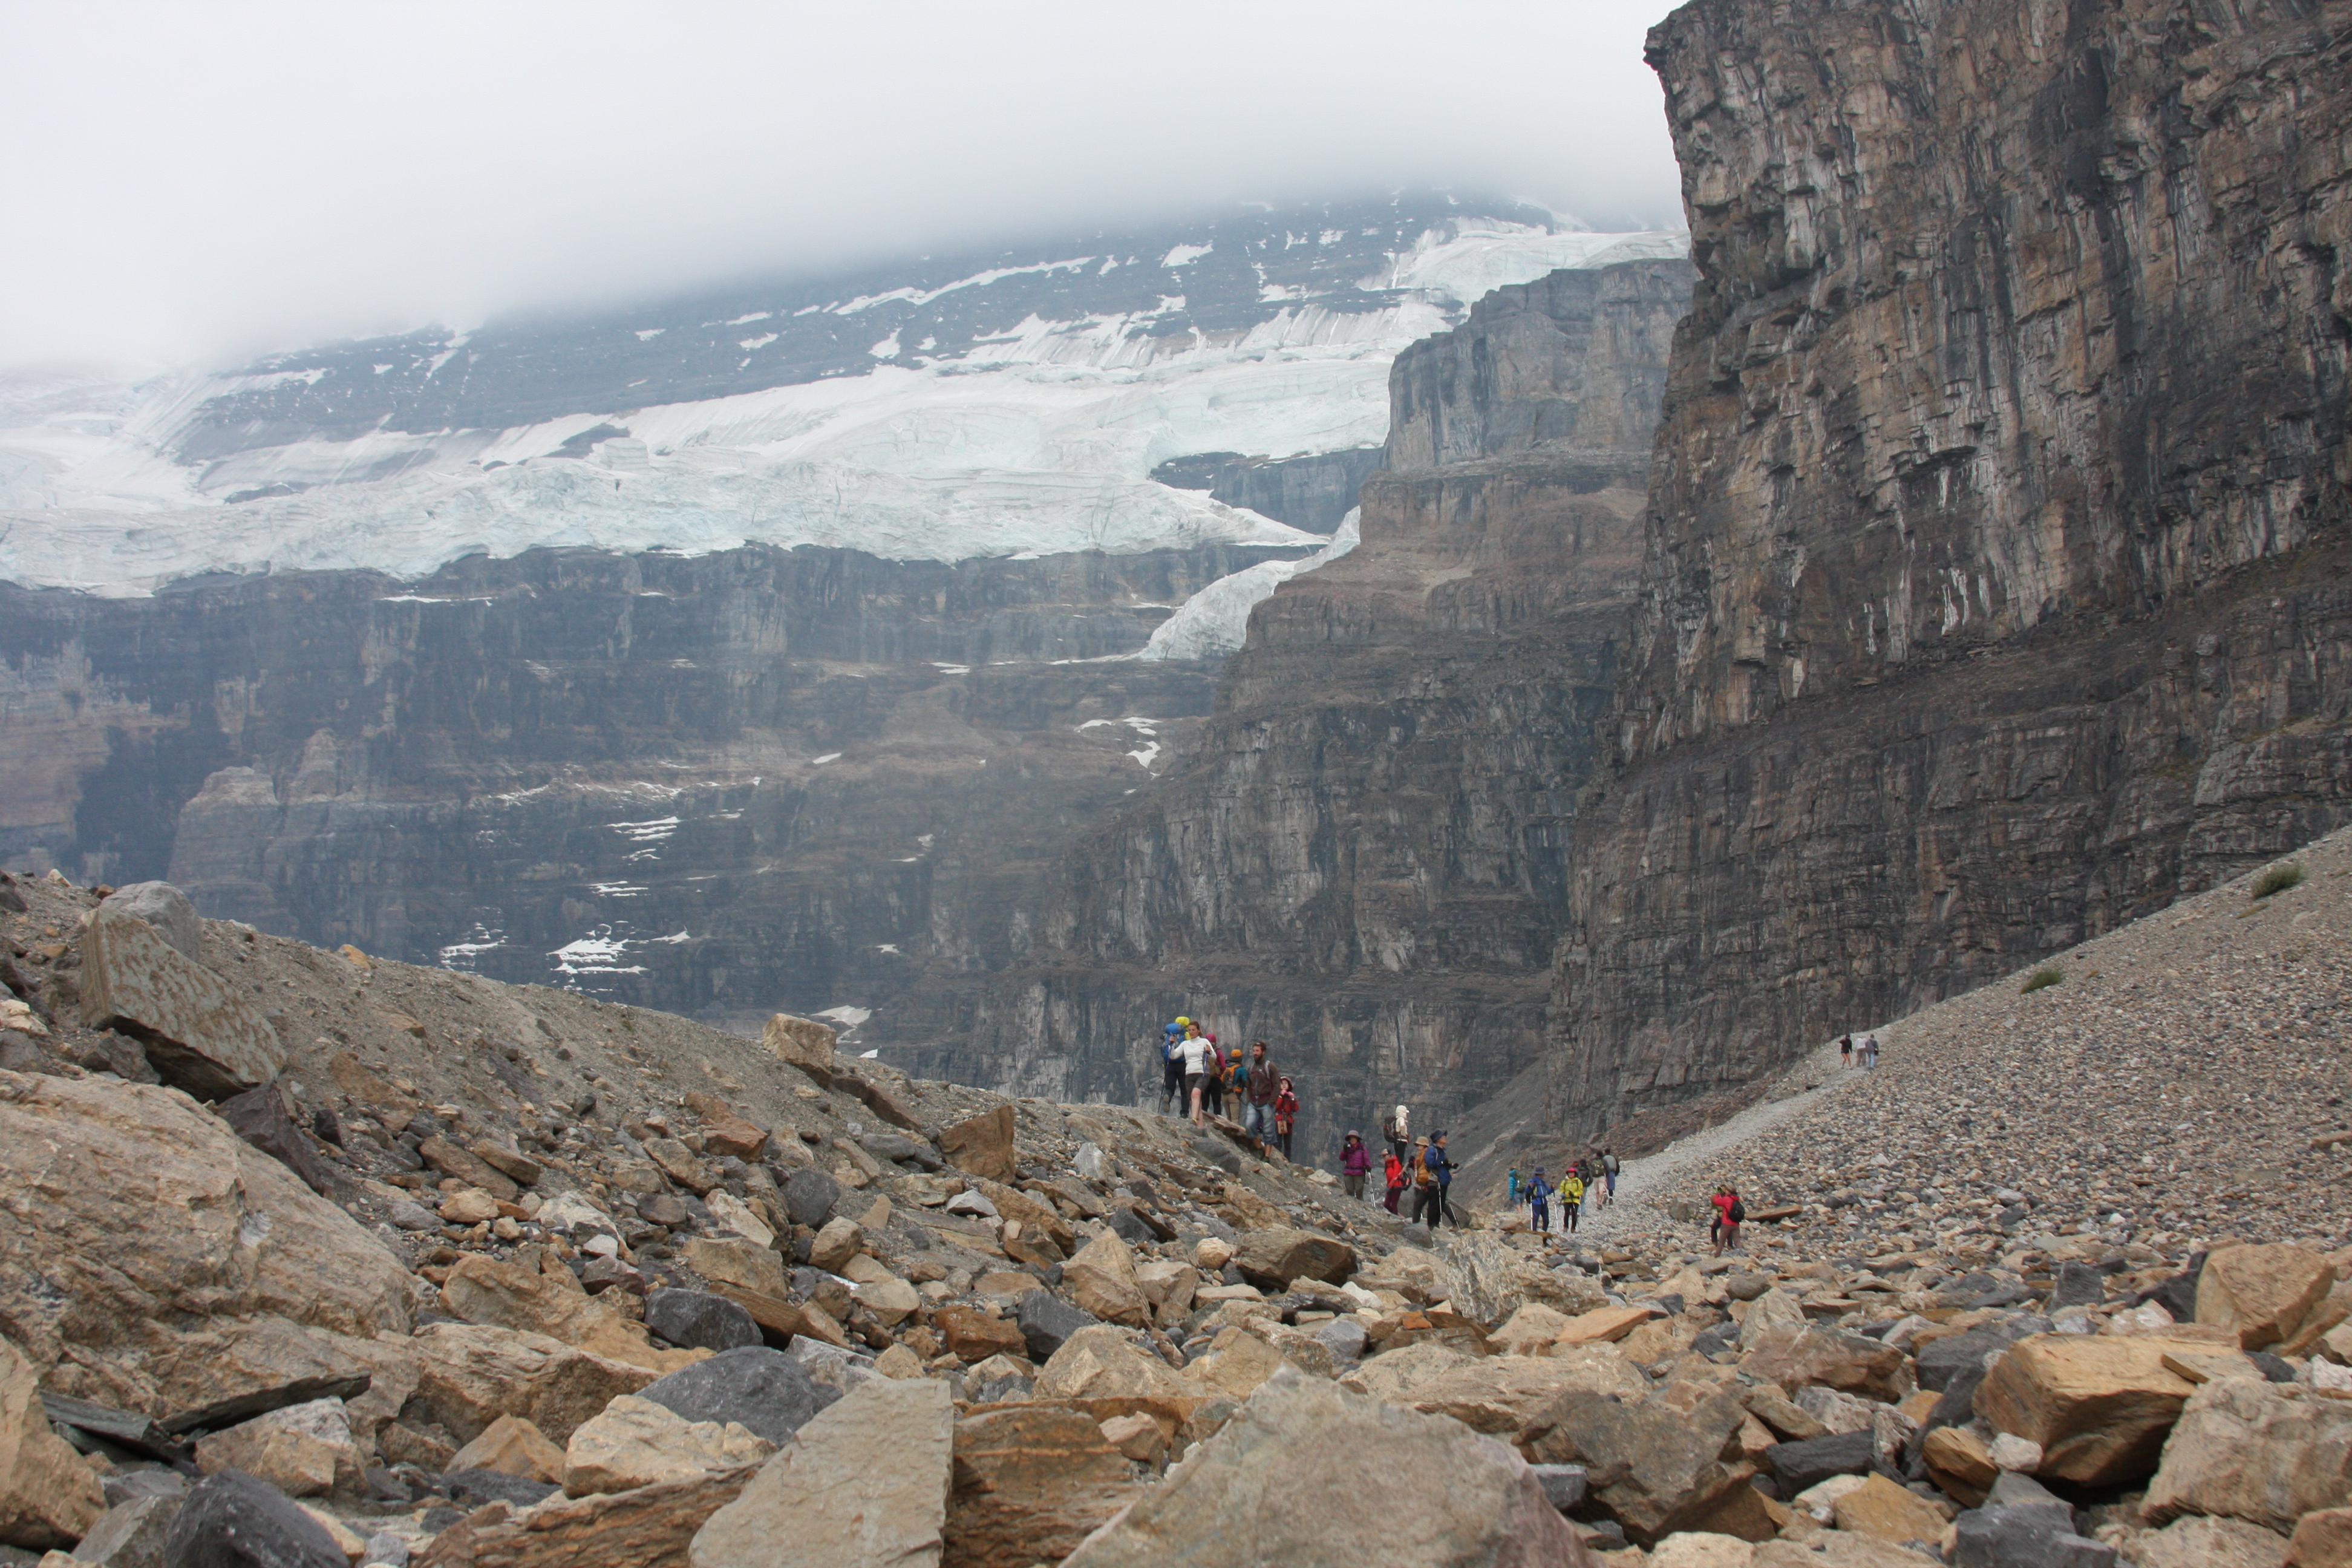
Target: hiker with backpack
{"x":1213,"y":1086}
{"x":1392,"y":1178}
{"x":1845,"y":1050}
{"x":1397,"y":1134}
{"x":1424,"y":1185}
{"x":1441,"y":1165}
{"x":1259,"y":1087}
{"x":1355,"y":1164}
{"x":1722,"y":1231}
{"x":1734,"y":1215}
{"x":1607,"y":1178}
{"x":1286,"y":1115}
{"x":1537,"y":1194}
{"x":1571,"y":1199}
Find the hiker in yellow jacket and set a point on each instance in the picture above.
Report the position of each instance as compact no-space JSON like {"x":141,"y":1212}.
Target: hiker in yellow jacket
{"x":1572,"y":1197}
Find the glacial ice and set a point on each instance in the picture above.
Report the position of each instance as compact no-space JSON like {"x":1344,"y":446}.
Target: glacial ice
{"x":1039,"y":441}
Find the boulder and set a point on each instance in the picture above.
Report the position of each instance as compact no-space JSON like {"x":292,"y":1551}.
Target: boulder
{"x":301,"y":1449}
{"x":2099,"y":1404}
{"x":809,"y":1197}
{"x":1775,"y":1308}
{"x":1048,"y":1322}
{"x":1800,"y":1466}
{"x":1271,"y":1259}
{"x":1103,"y":1362}
{"x":725,"y":1132}
{"x":891,"y":1299}
{"x":454,"y":1158}
{"x":2262,"y":1294}
{"x":201,"y":1033}
{"x":1033,"y":1481}
{"x":1284,"y":1481}
{"x":804,"y":1042}
{"x":731,"y":1213}
{"x":972,"y":1334}
{"x":1505,"y":1396}
{"x":1530,"y":1330}
{"x":1856,"y":1364}
{"x":469,"y":1374}
{"x":837,"y":1244}
{"x":1698,"y":1548}
{"x":634,"y":1442}
{"x":1835,"y":1549}
{"x":166,"y":910}
{"x":262,"y":1118}
{"x":2195,"y":1542}
{"x":513,"y":1447}
{"x":1885,"y":1512}
{"x":232,"y":1520}
{"x":1101,"y":1279}
{"x":2322,"y":1540}
{"x":1654,"y":1467}
{"x":737,"y":1262}
{"x":1960,"y":1462}
{"x":650,"y":1527}
{"x":1486,"y":1280}
{"x":2030,"y":1534}
{"x":47,"y":1496}
{"x":131,"y":1534}
{"x":2267,"y":1453}
{"x":139,"y":1294}
{"x":697,"y":1319}
{"x":865,"y":1482}
{"x":1602,"y":1325}
{"x":983,"y":1144}
{"x":1962,"y":1357}
{"x":485,"y":1289}
{"x":767,"y":1391}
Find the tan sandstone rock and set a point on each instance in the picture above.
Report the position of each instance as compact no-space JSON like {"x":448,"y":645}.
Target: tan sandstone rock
{"x":1100,"y":1361}
{"x":865,"y":1482}
{"x":982,"y":1145}
{"x":2099,"y":1404}
{"x":145,"y":1285}
{"x":1102,"y":1279}
{"x":47,"y":1496}
{"x":1885,"y":1512}
{"x":650,"y":1527}
{"x":804,"y":1042}
{"x":483,"y":1289}
{"x":301,"y":1449}
{"x":2322,"y":1540}
{"x":633,"y":1443}
{"x":2267,"y":1453}
{"x":470,"y":1375}
{"x":2262,"y":1294}
{"x":1033,"y":1481}
{"x":512,"y":1447}
{"x":201,"y":1033}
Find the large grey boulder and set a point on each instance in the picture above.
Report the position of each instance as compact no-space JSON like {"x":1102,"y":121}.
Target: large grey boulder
{"x":130,"y":1534}
{"x":1654,"y":1468}
{"x":697,"y":1319}
{"x":865,"y":1483}
{"x":1048,"y":1322}
{"x":1286,"y":1482}
{"x":202,"y":1034}
{"x":166,"y":909}
{"x":2025,"y":1535}
{"x":809,"y":1197}
{"x":232,"y":1520}
{"x":766,"y":1390}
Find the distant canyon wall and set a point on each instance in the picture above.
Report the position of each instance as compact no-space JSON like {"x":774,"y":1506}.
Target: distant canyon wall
{"x":1365,"y":863}
{"x":718,"y":785}
{"x":1995,"y":583}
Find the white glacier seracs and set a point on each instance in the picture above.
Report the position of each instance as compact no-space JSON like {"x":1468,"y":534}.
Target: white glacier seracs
{"x":1040,"y":440}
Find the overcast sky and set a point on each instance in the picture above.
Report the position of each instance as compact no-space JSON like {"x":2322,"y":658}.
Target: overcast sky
{"x":197,"y":181}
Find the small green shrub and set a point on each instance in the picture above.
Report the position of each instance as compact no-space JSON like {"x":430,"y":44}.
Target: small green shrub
{"x":2278,"y":879}
{"x":2042,"y":979}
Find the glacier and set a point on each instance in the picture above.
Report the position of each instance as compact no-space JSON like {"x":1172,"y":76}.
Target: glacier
{"x":1035,"y":438}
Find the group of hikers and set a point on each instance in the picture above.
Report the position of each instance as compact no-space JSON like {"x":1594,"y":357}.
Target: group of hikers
{"x":1865,"y":1054}
{"x":1420,"y":1165}
{"x":1594,"y":1177}
{"x":1200,"y":1078}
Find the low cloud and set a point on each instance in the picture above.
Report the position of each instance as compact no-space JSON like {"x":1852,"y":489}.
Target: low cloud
{"x":198,"y":181}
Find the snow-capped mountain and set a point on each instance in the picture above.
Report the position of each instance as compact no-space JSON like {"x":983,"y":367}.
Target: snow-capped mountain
{"x":1004,"y":404}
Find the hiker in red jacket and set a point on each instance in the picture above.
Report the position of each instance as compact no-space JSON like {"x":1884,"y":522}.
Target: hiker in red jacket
{"x":1392,"y":1173}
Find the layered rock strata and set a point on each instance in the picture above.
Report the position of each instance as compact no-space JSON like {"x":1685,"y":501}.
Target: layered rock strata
{"x":1365,"y":865}
{"x":1995,"y":565}
{"x":720,"y":785}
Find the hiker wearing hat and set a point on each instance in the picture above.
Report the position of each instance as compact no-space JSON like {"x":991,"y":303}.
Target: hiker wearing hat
{"x":1171,"y":1068}
{"x":1537,"y":1194}
{"x":1355,"y":1164}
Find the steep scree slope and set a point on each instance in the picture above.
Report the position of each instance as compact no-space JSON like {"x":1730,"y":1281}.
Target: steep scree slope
{"x":1995,"y":585}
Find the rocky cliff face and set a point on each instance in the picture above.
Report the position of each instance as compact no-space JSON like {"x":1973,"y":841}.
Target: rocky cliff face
{"x":1994,"y":587}
{"x":1365,"y":865}
{"x":718,"y":785}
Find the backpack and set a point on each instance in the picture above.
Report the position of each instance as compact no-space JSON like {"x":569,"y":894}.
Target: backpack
{"x":1738,"y":1213}
{"x":1421,"y":1174}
